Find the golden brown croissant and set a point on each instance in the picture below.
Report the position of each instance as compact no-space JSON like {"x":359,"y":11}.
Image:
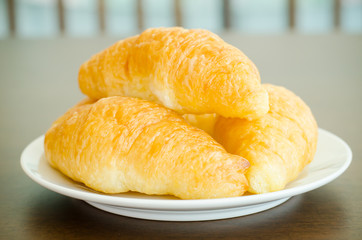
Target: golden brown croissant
{"x":189,"y":71}
{"x":205,"y":122}
{"x":121,"y":144}
{"x":278,"y":145}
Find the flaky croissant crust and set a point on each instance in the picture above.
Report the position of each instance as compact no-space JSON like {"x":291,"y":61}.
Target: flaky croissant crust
{"x":120,"y":144}
{"x":189,"y":71}
{"x":278,"y":145}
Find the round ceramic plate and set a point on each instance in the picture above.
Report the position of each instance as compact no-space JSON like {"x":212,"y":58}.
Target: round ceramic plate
{"x":332,"y":158}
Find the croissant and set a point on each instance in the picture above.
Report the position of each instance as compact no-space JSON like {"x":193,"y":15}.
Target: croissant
{"x":278,"y":145}
{"x":205,"y":122}
{"x":119,"y":144}
{"x":189,"y":71}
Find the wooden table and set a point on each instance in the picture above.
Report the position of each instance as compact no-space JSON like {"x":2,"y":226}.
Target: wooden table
{"x":38,"y":82}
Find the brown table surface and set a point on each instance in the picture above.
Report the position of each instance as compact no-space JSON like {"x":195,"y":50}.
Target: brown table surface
{"x":38,"y":82}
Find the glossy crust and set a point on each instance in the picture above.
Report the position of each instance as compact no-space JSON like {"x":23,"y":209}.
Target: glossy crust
{"x":278,"y":145}
{"x":189,"y":71}
{"x":121,"y":144}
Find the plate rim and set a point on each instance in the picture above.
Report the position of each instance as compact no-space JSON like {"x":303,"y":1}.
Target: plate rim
{"x":180,"y":204}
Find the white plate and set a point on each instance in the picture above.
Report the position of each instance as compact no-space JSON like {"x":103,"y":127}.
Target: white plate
{"x":332,"y":158}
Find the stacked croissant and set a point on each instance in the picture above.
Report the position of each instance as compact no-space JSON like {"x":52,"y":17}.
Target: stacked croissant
{"x":180,"y":112}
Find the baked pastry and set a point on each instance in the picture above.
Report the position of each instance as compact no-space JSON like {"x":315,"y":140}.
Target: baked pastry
{"x":189,"y":71}
{"x":121,"y":144}
{"x":278,"y":145}
{"x":205,"y":122}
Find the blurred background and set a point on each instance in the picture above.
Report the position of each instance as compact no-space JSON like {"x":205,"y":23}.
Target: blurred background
{"x":84,"y":18}
{"x":312,"y":47}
